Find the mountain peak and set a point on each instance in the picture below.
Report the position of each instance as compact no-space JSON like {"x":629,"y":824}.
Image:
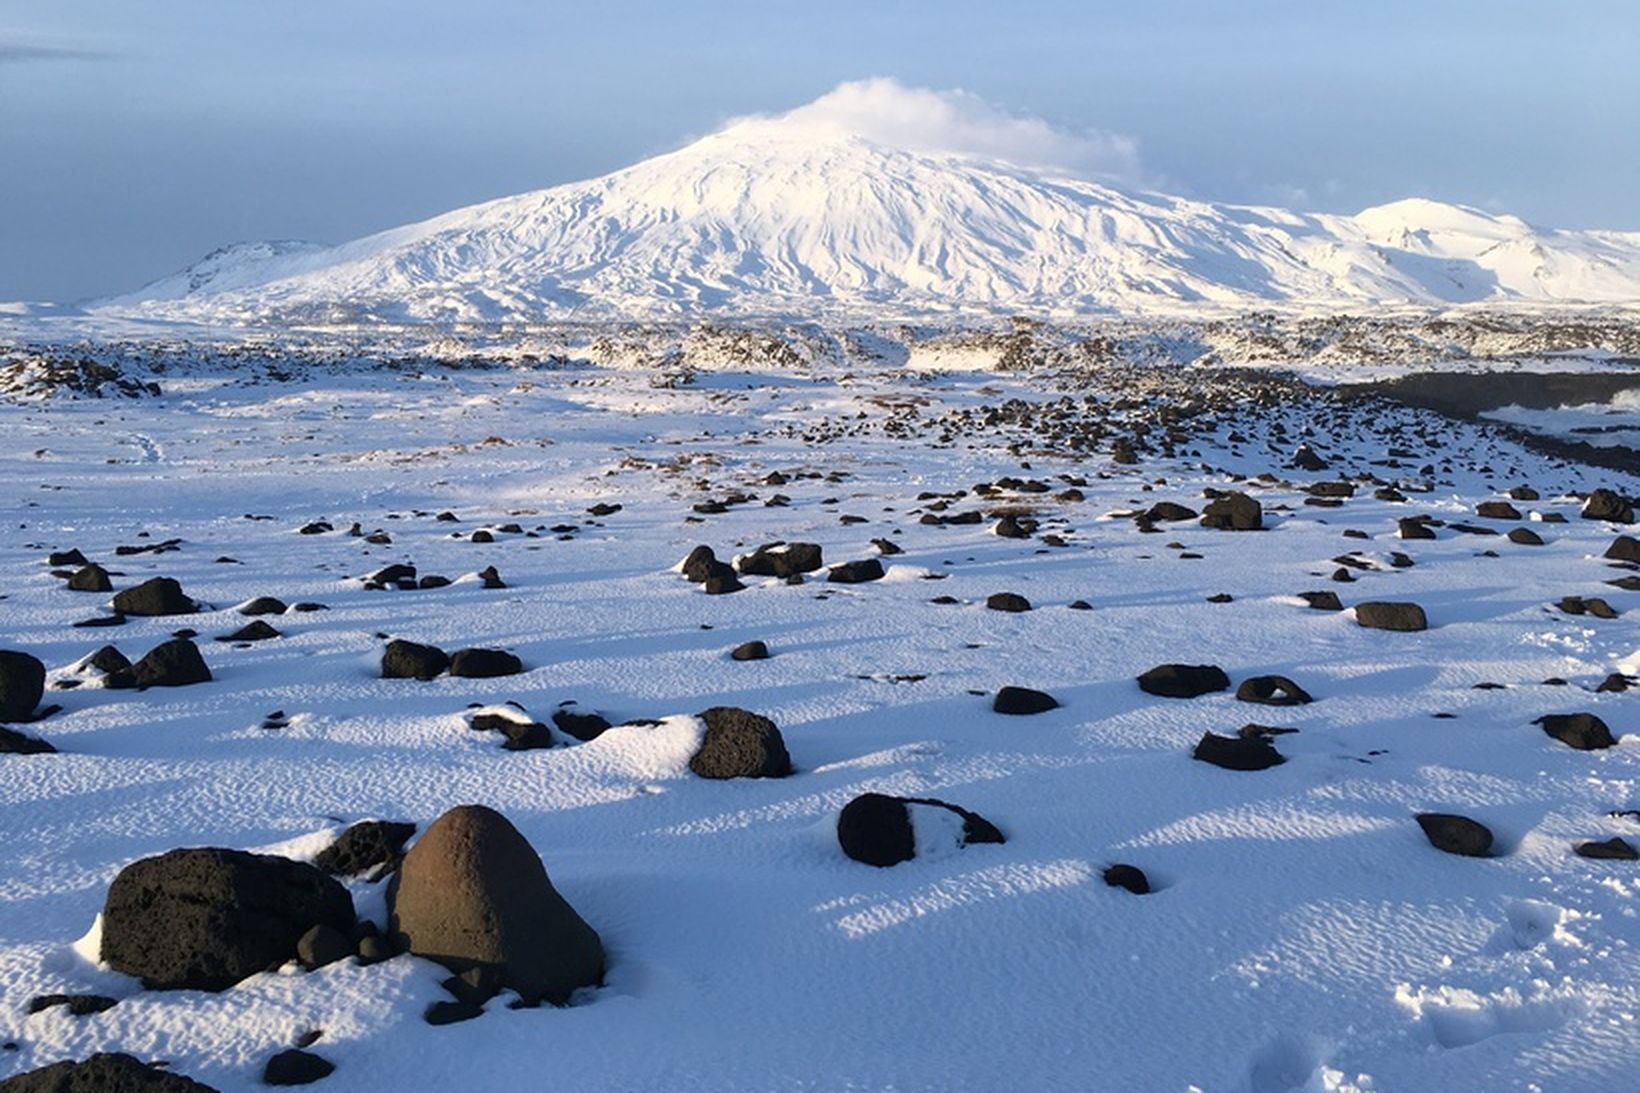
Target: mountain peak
{"x":881,"y":201}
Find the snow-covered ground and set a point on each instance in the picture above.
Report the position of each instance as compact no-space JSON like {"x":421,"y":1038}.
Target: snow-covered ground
{"x":1302,"y":934}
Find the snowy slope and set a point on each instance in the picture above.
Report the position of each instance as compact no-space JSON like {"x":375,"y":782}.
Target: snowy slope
{"x":789,"y":215}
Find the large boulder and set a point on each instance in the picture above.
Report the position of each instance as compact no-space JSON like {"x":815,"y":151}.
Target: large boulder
{"x":90,"y":578}
{"x":1023,"y":701}
{"x":1456,"y":834}
{"x":22,"y":684}
{"x":175,"y":663}
{"x":1251,"y":752}
{"x":1583,"y":731}
{"x":473,"y":895}
{"x":103,"y":1073}
{"x":881,"y":830}
{"x":781,"y":560}
{"x":1391,"y":616}
{"x":1233,"y":512}
{"x":204,"y":919}
{"x":484,"y":663}
{"x":740,"y":744}
{"x":1609,"y":506}
{"x":869,"y":569}
{"x":407,"y":660}
{"x":1624,"y":548}
{"x":157,"y":596}
{"x":1184,"y":680}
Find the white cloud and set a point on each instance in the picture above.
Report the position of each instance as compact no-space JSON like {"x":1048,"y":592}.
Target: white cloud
{"x":885,"y":111}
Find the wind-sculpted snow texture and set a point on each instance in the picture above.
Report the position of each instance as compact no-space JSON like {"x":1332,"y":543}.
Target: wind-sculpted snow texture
{"x":1299,"y":931}
{"x":772,"y":216}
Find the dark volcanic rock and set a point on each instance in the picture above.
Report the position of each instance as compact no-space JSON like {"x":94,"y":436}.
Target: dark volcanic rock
{"x":1233,"y":512}
{"x":1184,"y":680}
{"x":1322,"y":601}
{"x":175,"y":663}
{"x":323,"y":945}
{"x":1023,"y":700}
{"x":296,"y":1067}
{"x":263,"y":605}
{"x":90,"y":578}
{"x":1624,"y":548}
{"x":1612,"y":849}
{"x":484,"y":663}
{"x":781,"y":560}
{"x":750,"y":650}
{"x":1608,"y":506}
{"x":582,"y":725}
{"x":407,"y":660}
{"x":473,"y":895}
{"x":876,"y":829}
{"x":740,"y":744}
{"x":1412,"y":527}
{"x":1525,"y":537}
{"x":13,"y":742}
{"x":1456,"y":834}
{"x":1130,"y":877}
{"x":1237,"y":752}
{"x":206,"y":919}
{"x":869,"y":569}
{"x":1164,"y":511}
{"x":158,"y":596}
{"x":254,"y":631}
{"x":1011,"y":602}
{"x":60,"y":558}
{"x":1391,"y":616}
{"x":103,"y":1073}
{"x":78,"y":1005}
{"x":365,"y":846}
{"x":697,"y":565}
{"x":1272,"y":691}
{"x":1583,"y":731}
{"x":22,"y":684}
{"x":1497,"y":510}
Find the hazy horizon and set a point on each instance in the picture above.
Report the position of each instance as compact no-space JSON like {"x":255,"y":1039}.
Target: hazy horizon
{"x":148,"y":138}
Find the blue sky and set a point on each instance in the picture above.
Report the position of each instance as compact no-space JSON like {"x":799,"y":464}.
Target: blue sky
{"x":135,"y":137}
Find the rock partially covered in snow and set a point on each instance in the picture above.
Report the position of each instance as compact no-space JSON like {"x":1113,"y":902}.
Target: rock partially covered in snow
{"x":103,"y":1073}
{"x":882,"y":830}
{"x":473,"y":895}
{"x":740,"y":744}
{"x":205,"y":919}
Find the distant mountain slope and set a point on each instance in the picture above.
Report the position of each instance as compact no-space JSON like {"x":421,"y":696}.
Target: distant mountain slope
{"x":771,"y":216}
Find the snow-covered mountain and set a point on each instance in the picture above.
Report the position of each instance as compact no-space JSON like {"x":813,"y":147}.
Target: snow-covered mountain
{"x":815,"y":218}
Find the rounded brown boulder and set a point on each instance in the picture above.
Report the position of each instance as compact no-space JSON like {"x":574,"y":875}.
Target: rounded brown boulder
{"x":473,"y":895}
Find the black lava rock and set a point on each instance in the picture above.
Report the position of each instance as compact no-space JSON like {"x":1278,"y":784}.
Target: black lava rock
{"x":407,"y":660}
{"x":22,"y":684}
{"x":175,"y":663}
{"x":740,"y":744}
{"x":365,"y":846}
{"x":158,"y":596}
{"x":1130,"y":877}
{"x":876,"y":829}
{"x":1023,"y":700}
{"x":296,"y":1067}
{"x":1272,"y":691}
{"x":1583,"y":731}
{"x":1184,"y":680}
{"x":1391,"y":616}
{"x":1238,"y":752}
{"x":205,"y":919}
{"x":484,"y":664}
{"x":1456,"y":834}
